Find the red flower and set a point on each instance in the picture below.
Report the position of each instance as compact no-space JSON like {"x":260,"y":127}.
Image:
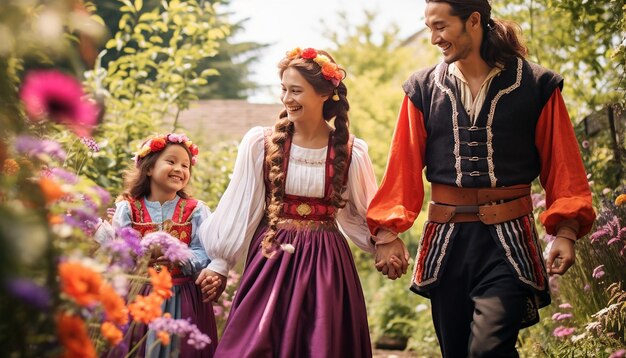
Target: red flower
{"x":157,"y":144}
{"x":193,"y":149}
{"x":59,"y":97}
{"x":309,"y":53}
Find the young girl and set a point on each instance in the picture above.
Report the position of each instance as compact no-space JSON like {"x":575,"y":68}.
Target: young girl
{"x":155,"y":200}
{"x":293,"y":187}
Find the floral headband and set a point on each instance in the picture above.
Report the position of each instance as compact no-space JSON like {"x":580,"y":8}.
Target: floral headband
{"x":160,"y":141}
{"x":330,"y":70}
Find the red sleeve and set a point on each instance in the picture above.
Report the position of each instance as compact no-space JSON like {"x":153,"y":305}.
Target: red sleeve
{"x":562,"y":173}
{"x":399,"y":198}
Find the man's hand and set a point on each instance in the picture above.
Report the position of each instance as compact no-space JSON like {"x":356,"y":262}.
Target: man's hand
{"x":561,"y":256}
{"x":212,"y":285}
{"x":392,"y":259}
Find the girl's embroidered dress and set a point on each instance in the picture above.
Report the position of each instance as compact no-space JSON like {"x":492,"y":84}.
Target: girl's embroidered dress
{"x":180,"y":218}
{"x":302,"y":303}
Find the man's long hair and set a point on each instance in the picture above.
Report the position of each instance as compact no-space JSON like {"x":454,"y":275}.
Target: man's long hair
{"x":501,"y":39}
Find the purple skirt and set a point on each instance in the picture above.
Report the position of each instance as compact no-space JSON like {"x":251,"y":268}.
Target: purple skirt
{"x":306,"y":304}
{"x":186,"y":303}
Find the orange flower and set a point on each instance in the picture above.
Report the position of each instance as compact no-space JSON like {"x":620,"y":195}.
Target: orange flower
{"x":620,"y":200}
{"x":74,"y":337}
{"x":50,"y":189}
{"x":161,"y":282}
{"x":329,"y":69}
{"x":113,"y":305}
{"x":55,"y":219}
{"x":111,"y":333}
{"x":293,"y":53}
{"x":146,"y":308}
{"x":10,"y":167}
{"x":164,"y":337}
{"x":80,"y":282}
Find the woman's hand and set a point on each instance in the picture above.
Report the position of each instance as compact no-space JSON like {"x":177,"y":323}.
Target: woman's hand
{"x":212,"y":285}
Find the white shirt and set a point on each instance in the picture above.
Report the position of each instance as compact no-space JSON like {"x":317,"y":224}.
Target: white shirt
{"x":227,"y":232}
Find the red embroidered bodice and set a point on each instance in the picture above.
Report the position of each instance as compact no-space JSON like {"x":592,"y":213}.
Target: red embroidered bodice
{"x":302,"y":207}
{"x":179,"y":226}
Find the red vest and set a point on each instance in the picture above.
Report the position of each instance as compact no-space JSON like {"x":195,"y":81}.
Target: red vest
{"x":179,"y":226}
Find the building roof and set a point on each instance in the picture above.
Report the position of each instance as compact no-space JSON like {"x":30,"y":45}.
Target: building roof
{"x":226,"y":119}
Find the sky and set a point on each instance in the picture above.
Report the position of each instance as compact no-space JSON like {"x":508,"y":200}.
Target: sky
{"x":286,"y":24}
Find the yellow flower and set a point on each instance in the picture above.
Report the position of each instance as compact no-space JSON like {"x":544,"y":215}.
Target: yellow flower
{"x":145,"y":150}
{"x":620,"y":200}
{"x":321,"y":59}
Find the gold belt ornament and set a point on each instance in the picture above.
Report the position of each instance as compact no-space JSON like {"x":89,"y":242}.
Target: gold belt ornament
{"x":304,"y":209}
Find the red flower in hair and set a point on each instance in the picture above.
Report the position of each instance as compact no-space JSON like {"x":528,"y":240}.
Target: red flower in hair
{"x":194,"y":150}
{"x":157,"y":144}
{"x":308,"y":53}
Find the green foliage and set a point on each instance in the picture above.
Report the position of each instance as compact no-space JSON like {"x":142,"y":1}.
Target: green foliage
{"x":152,"y":77}
{"x":582,"y":40}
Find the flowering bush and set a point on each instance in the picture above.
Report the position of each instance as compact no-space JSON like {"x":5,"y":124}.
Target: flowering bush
{"x":66,"y":291}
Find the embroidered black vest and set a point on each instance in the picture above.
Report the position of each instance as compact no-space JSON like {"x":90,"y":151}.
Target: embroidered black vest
{"x":499,"y":150}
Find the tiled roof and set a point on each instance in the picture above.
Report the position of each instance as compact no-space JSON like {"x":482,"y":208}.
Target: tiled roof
{"x":226,"y":119}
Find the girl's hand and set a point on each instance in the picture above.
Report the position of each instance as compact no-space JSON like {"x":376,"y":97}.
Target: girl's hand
{"x":212,"y":285}
{"x":158,"y":262}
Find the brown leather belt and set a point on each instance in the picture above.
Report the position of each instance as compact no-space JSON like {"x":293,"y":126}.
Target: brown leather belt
{"x":489,"y":205}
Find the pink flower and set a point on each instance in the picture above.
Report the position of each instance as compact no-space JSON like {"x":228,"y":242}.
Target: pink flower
{"x":587,"y":287}
{"x":565,"y":306}
{"x":618,"y":354}
{"x":50,"y":94}
{"x":561,"y":331}
{"x":598,"y":272}
{"x":613,"y":240}
{"x":585,"y":144}
{"x":561,"y":316}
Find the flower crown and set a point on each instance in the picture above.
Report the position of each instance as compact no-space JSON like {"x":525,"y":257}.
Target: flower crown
{"x":160,"y":141}
{"x":330,"y":70}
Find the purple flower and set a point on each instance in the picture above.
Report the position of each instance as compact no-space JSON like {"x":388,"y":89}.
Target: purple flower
{"x":40,"y":148}
{"x":105,"y":197}
{"x":67,"y":177}
{"x":181,"y":328}
{"x":172,"y":248}
{"x":90,"y":143}
{"x":132,"y":238}
{"x":618,"y":354}
{"x":598,"y":272}
{"x":85,"y":220}
{"x":561,"y":331}
{"x":587,"y":287}
{"x":53,"y":95}
{"x":29,"y":292}
{"x":121,"y":252}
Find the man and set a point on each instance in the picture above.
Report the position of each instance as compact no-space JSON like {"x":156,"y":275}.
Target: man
{"x":484,"y":123}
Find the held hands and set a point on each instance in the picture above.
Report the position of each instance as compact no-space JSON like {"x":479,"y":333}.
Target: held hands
{"x":212,"y":285}
{"x":392,"y":259}
{"x":561,"y":256}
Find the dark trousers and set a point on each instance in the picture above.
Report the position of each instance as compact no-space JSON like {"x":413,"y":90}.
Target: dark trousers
{"x":479,"y":304}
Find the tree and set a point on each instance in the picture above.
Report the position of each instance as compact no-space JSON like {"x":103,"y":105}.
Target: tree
{"x":231,"y":63}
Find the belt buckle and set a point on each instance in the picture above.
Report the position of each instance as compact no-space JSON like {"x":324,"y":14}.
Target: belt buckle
{"x":304,"y":209}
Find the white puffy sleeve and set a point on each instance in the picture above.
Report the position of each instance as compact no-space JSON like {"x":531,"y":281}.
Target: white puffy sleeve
{"x":361,"y":187}
{"x":228,"y":230}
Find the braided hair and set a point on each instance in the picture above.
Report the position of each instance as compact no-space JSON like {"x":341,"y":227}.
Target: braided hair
{"x":336,"y":108}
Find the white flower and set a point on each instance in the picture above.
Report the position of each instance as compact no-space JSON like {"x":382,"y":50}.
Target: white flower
{"x":288,"y":248}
